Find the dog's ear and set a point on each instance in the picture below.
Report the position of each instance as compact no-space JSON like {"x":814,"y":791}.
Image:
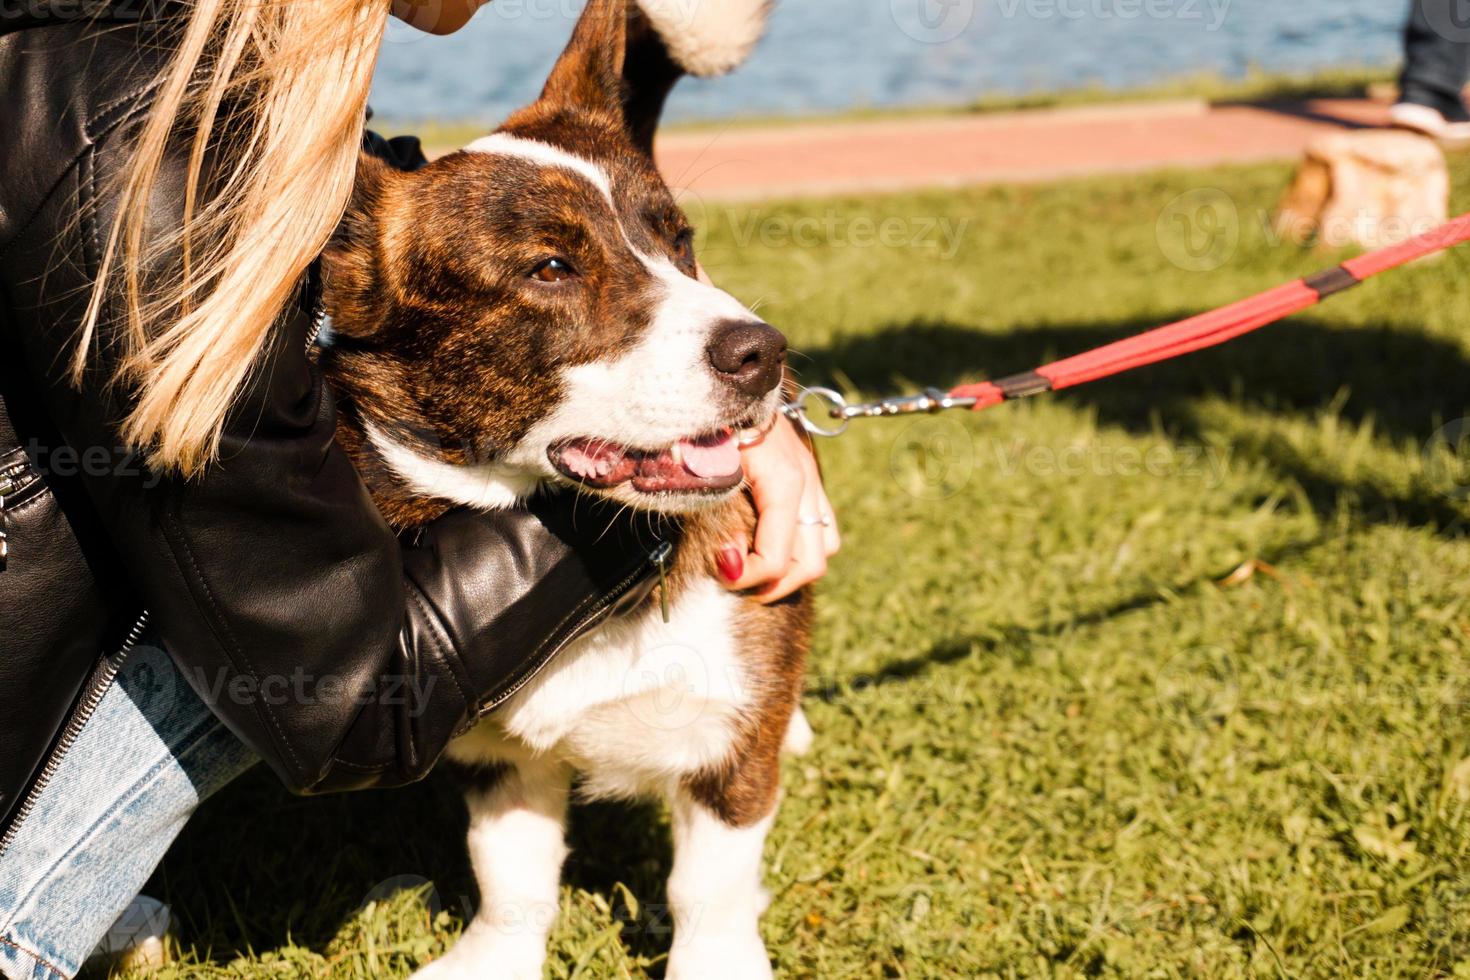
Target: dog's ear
{"x":668,"y":39}
{"x":617,"y":64}
{"x":649,"y":75}
{"x":625,"y":57}
{"x":354,"y":273}
{"x":589,"y":73}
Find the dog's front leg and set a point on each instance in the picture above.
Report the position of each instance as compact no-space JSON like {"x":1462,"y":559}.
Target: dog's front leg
{"x":716,"y":895}
{"x":517,"y":846}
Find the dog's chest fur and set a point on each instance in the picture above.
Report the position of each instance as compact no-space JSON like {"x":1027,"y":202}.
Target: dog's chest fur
{"x":638,"y":703}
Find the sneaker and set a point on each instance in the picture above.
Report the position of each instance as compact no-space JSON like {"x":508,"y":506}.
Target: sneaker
{"x":136,"y":942}
{"x":1430,"y":122}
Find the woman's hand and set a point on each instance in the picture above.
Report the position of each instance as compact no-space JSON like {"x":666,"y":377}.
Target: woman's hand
{"x":796,"y":532}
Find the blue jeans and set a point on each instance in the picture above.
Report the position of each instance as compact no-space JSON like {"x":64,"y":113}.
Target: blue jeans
{"x":1437,"y":56}
{"x":146,"y":758}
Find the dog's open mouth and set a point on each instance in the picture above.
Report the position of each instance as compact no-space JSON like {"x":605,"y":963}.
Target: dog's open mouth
{"x":701,"y":464}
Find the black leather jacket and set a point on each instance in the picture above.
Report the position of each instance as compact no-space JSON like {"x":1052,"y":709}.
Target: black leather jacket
{"x":344,"y":656}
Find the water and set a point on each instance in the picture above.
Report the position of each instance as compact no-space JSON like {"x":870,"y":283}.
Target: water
{"x":826,"y":55}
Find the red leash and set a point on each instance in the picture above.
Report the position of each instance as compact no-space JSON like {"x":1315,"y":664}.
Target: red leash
{"x":1160,"y":344}
{"x":1215,"y":327}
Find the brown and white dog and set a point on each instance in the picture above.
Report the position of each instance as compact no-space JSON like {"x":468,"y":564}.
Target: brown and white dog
{"x":535,"y":296}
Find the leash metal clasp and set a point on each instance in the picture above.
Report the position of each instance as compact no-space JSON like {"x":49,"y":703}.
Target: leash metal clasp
{"x":801,"y":410}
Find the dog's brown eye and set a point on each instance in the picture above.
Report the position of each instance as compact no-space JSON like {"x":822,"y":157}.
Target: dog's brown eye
{"x":553,"y":270}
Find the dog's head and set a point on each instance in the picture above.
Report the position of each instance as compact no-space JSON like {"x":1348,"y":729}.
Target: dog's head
{"x":529,"y":309}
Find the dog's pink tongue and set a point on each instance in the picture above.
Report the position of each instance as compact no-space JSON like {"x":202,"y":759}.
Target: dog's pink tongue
{"x":712,"y":456}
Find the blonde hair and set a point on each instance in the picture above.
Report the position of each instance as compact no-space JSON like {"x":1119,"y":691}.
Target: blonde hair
{"x":283,"y":85}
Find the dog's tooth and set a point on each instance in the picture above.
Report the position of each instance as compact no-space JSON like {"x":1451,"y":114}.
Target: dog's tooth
{"x":678,"y":454}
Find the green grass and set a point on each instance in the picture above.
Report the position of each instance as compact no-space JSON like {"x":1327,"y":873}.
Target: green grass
{"x":1050,"y":741}
{"x":1256,"y":86}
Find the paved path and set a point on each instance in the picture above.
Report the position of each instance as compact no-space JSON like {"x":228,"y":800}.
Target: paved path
{"x":830,"y":158}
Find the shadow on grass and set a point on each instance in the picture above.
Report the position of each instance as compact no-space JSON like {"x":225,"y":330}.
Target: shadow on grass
{"x":257,"y":868}
{"x":1015,"y":643}
{"x":281,"y":868}
{"x":1405,"y":382}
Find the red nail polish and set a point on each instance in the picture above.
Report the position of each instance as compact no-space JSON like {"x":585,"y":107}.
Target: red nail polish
{"x":731,"y":562}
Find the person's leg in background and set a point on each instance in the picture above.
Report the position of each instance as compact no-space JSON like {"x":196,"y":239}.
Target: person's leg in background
{"x":146,"y":758}
{"x":1436,"y":68}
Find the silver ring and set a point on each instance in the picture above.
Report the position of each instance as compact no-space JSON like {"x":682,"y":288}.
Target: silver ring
{"x":832,"y":405}
{"x":824,"y":521}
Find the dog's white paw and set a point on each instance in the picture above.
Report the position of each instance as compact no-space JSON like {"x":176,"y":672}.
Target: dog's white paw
{"x":486,"y":960}
{"x":799,"y":735}
{"x":719,"y":958}
{"x":444,"y":968}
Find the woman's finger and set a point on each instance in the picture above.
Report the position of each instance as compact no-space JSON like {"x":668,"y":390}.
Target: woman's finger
{"x":809,"y":555}
{"x":778,"y":497}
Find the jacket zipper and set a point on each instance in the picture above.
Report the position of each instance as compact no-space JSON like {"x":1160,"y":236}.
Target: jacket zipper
{"x":97,"y":686}
{"x":7,"y":488}
{"x":657,"y":558}
{"x":107,"y":670}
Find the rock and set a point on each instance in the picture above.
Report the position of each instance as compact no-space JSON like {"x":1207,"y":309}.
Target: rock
{"x":1372,"y":188}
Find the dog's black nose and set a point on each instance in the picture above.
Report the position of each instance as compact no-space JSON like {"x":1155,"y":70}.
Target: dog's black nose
{"x":748,"y":355}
